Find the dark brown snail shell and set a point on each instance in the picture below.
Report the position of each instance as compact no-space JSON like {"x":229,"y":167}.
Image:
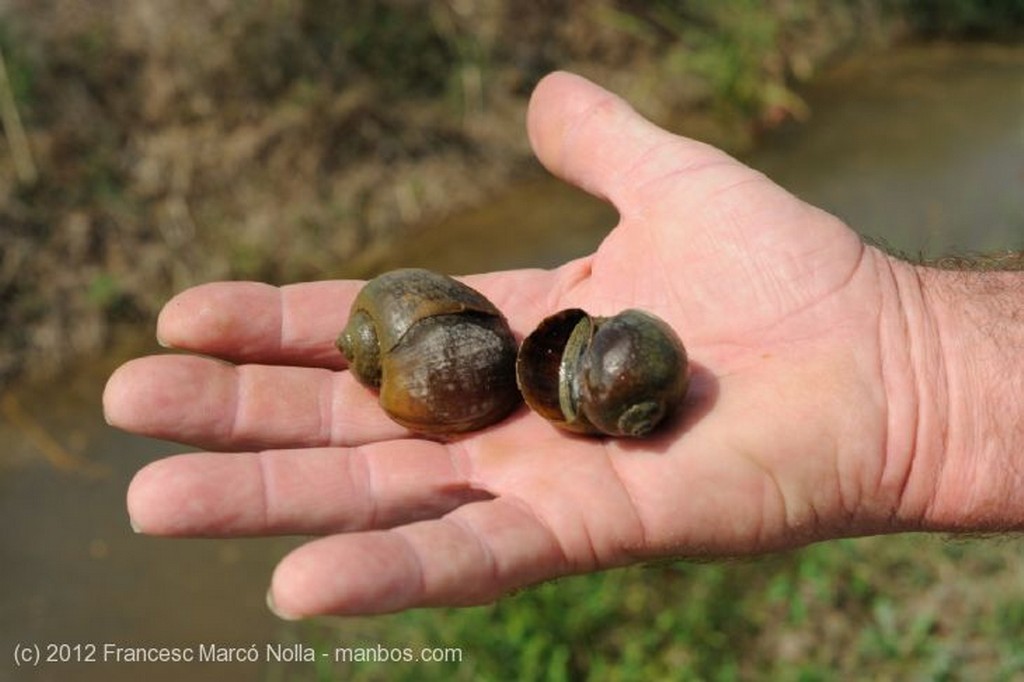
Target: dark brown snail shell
{"x":440,"y":353}
{"x":617,"y":375}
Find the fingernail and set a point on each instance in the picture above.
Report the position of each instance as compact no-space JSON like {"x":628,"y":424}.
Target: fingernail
{"x":274,"y":610}
{"x":135,"y":526}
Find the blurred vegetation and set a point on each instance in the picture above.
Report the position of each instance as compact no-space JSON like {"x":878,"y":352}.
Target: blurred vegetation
{"x":893,"y":608}
{"x":285,"y":139}
{"x":281,"y":139}
{"x":985,"y":19}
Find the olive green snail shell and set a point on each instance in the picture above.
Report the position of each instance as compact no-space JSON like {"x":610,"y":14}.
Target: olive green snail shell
{"x":441,"y":355}
{"x":619,"y":375}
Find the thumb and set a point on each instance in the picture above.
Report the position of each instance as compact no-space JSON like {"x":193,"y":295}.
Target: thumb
{"x":593,"y":139}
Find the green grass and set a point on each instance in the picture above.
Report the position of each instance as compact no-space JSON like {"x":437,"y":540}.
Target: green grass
{"x":21,"y":69}
{"x":906,"y":607}
{"x":963,"y":18}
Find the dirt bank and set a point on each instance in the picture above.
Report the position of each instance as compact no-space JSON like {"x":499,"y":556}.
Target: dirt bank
{"x":174,"y":143}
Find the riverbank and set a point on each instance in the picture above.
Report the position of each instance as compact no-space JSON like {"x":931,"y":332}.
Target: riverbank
{"x":917,"y":123}
{"x":282,"y":141}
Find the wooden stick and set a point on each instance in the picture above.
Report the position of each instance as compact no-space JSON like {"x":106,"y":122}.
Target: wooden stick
{"x":59,"y":457}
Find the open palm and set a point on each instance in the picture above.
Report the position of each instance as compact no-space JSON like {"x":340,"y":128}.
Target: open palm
{"x":784,"y":437}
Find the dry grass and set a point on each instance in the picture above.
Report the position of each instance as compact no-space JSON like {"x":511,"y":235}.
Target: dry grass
{"x":176,"y":143}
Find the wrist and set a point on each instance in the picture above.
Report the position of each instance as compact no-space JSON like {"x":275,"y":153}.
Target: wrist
{"x":966,"y":472}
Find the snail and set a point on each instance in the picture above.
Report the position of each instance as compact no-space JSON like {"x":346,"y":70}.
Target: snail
{"x":617,"y":375}
{"x":441,"y":355}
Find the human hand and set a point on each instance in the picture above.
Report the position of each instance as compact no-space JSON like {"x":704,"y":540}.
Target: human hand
{"x":796,"y":427}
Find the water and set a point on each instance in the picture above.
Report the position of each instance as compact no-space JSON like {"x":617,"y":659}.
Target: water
{"x":921,"y":147}
{"x":540,"y":224}
{"x":73,"y":570}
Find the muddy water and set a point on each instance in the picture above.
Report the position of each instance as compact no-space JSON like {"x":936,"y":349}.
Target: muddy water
{"x":923,"y":148}
{"x":75,"y":573}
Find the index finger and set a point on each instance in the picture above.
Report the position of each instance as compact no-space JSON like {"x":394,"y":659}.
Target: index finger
{"x":297,"y":324}
{"x":256,"y":322}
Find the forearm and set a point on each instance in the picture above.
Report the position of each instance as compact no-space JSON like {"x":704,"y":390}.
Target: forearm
{"x":969,"y":373}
